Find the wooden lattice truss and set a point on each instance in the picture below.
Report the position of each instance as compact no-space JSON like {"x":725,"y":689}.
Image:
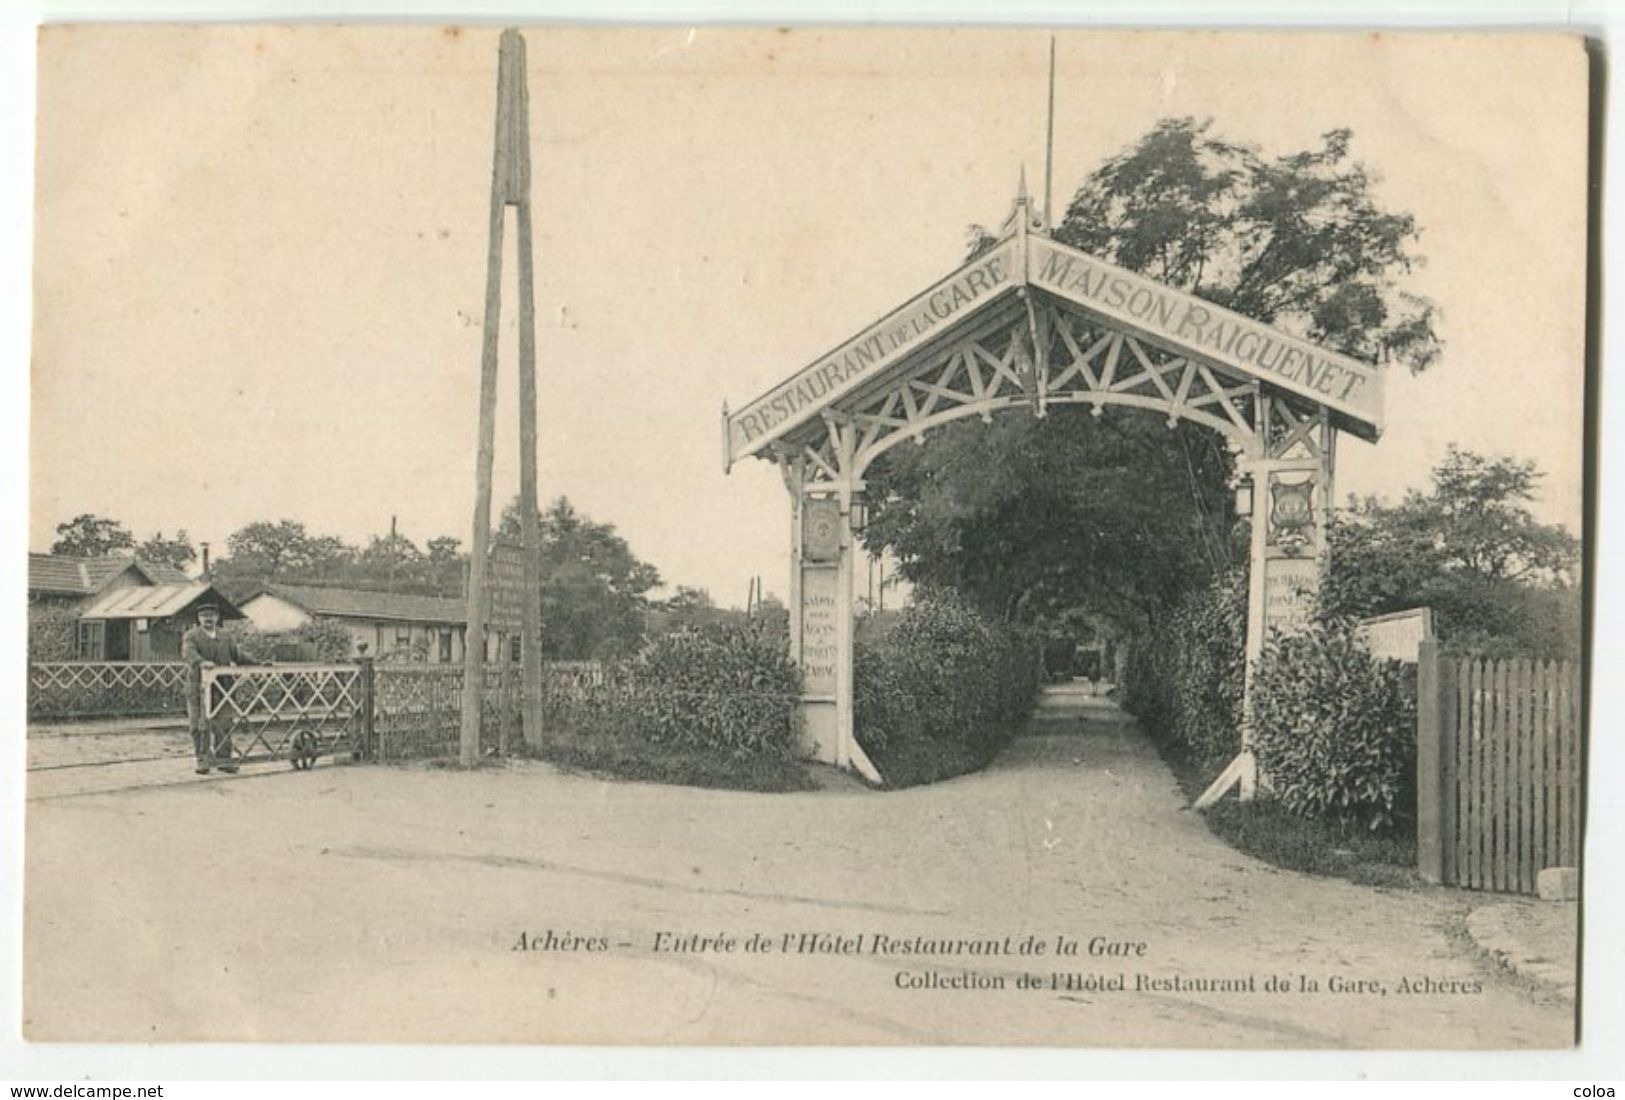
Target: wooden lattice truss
{"x":1048,"y":354}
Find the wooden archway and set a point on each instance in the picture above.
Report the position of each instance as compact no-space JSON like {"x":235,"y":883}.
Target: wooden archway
{"x":1030,"y":324}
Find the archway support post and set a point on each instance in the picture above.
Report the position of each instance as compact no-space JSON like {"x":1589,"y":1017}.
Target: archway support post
{"x":824,"y":548}
{"x":1290,"y":469}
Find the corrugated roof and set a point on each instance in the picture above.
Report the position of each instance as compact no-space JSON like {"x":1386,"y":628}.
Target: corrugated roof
{"x":360,"y":603}
{"x":156,"y":601}
{"x":63,"y":574}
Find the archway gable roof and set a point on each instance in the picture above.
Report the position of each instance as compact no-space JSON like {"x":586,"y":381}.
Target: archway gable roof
{"x":982,"y":291}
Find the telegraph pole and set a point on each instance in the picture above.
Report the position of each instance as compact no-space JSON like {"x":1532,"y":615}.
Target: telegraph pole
{"x":510,"y":186}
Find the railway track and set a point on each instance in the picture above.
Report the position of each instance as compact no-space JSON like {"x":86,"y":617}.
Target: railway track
{"x":108,"y":760}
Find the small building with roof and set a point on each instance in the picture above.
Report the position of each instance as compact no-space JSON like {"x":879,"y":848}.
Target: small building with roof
{"x":124,"y":609}
{"x":145,"y":622}
{"x":388,"y":624}
{"x":65,"y":580}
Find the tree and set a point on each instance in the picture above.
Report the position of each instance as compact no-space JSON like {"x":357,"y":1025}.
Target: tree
{"x":391,"y":562}
{"x":92,"y":536}
{"x":177,"y":552}
{"x":1469,"y":548}
{"x":444,"y":548}
{"x":1296,"y":240}
{"x":445,"y":563}
{"x":283,"y":550}
{"x":594,"y":589}
{"x":1030,"y":518}
{"x":1478,"y":520}
{"x":688,"y":599}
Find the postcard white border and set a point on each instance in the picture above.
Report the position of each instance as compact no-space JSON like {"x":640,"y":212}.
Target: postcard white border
{"x":1605,"y":953}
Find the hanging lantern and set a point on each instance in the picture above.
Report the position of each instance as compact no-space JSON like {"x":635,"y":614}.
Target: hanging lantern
{"x":1244,"y":497}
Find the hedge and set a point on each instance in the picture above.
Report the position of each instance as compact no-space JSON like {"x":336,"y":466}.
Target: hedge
{"x":1334,"y":729}
{"x":942,"y":690}
{"x":1184,"y":678}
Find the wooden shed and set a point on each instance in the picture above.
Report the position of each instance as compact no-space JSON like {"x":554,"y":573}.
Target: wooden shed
{"x":145,"y":622}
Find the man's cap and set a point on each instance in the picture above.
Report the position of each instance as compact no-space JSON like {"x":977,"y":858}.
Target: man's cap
{"x":208,"y":605}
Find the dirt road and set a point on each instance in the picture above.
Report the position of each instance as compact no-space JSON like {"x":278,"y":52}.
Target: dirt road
{"x":367,"y":903}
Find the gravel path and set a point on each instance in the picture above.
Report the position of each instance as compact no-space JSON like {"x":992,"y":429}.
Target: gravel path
{"x":364,"y":904}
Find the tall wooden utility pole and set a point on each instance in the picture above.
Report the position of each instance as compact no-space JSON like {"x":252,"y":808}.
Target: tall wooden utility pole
{"x":510,"y":186}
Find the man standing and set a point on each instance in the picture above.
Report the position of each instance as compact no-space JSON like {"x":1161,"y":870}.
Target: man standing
{"x":205,"y":647}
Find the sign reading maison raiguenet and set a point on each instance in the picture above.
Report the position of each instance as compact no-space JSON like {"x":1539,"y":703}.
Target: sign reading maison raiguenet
{"x":1187,"y":324}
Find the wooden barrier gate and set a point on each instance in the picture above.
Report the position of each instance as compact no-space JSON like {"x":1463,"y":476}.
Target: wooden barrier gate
{"x":295,"y":713}
{"x":371,"y":711}
{"x":1498,"y":770}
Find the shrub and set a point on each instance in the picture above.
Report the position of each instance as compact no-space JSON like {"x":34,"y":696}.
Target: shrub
{"x":1185,"y":678}
{"x":323,"y":639}
{"x":724,"y":686}
{"x":942,"y":684}
{"x":51,"y":632}
{"x":414,"y":652}
{"x":1334,"y":729}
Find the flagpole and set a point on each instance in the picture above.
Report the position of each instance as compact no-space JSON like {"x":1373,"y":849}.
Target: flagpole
{"x":1049,"y":143}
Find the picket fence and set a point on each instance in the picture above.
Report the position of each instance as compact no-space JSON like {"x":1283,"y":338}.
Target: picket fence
{"x":1499,"y":753}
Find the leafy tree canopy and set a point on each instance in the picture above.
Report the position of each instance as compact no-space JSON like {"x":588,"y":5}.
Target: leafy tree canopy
{"x":688,"y":598}
{"x":1028,"y":518}
{"x":92,"y":536}
{"x":1296,"y":240}
{"x":444,"y":549}
{"x":1470,"y":549}
{"x":594,"y":589}
{"x":283,"y":550}
{"x":178,"y":551}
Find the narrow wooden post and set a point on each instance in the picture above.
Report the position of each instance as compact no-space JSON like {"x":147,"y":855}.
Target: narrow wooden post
{"x":1432,"y":801}
{"x":504,"y":706}
{"x":510,"y":172}
{"x":794,"y":477}
{"x":531,"y":647}
{"x":368,"y":706}
{"x":845,"y":691}
{"x":1478,"y":775}
{"x":1527,"y":686}
{"x":1539,"y":757}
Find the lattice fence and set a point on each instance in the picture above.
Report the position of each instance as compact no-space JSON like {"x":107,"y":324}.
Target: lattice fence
{"x":389,"y":711}
{"x":97,"y":689}
{"x":418,"y":710}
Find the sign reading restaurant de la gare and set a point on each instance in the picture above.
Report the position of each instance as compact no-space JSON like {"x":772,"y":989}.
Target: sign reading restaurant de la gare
{"x":877,"y":346}
{"x":1191,"y":325}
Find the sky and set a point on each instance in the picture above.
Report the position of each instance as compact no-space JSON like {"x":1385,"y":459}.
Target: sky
{"x":260,"y":251}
